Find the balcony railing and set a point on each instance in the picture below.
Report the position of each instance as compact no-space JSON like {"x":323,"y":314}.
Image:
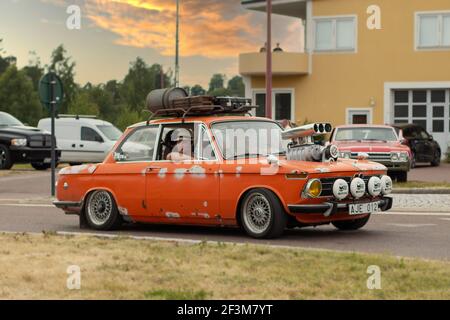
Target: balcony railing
{"x":283,"y":63}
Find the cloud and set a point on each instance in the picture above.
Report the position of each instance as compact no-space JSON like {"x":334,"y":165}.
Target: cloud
{"x":213,"y":29}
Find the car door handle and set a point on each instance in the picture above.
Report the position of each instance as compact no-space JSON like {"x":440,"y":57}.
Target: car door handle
{"x":81,"y":145}
{"x":152,"y":168}
{"x":73,"y":146}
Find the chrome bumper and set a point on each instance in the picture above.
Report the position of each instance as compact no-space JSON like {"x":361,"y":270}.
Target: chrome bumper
{"x":330,"y":208}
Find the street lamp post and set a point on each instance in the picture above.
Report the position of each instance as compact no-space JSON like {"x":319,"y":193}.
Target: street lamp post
{"x":269,"y":61}
{"x":177,"y":47}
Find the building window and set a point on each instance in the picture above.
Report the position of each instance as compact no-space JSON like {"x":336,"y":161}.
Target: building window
{"x":282,"y":104}
{"x":427,"y":108}
{"x":335,"y":34}
{"x":433,"y":30}
{"x":359,"y":116}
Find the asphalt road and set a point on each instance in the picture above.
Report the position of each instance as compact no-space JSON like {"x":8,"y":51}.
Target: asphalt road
{"x":423,"y":235}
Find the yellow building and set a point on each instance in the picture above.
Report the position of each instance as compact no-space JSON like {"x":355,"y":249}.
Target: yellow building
{"x":365,"y":61}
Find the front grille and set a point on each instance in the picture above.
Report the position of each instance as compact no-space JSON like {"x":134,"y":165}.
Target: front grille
{"x":327,"y":184}
{"x":41,"y":141}
{"x":375,"y":156}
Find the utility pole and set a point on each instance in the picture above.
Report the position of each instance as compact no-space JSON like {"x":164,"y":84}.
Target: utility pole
{"x":177,"y":47}
{"x":269,"y":61}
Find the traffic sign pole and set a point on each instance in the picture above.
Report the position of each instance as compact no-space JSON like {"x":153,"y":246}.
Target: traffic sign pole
{"x":53,"y":114}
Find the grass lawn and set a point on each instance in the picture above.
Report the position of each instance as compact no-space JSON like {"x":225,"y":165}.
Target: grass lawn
{"x":420,"y":184}
{"x":34,"y":266}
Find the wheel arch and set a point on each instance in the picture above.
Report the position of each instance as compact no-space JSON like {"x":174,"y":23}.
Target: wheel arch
{"x":249,"y":189}
{"x":91,"y":190}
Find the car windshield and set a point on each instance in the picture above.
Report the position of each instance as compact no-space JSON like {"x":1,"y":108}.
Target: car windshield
{"x":365,"y":134}
{"x":243,"y":139}
{"x":111,"y":132}
{"x":7,"y":120}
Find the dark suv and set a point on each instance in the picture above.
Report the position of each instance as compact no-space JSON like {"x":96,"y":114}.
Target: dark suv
{"x":423,"y":147}
{"x":22,"y":144}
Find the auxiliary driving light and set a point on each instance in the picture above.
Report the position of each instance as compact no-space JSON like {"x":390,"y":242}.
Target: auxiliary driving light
{"x":374,"y":186}
{"x":340,"y":189}
{"x":313,"y":188}
{"x":386,"y":185}
{"x":357,"y":188}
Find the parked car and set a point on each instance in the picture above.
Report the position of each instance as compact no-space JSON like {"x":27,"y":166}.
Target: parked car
{"x":379,"y":143}
{"x":82,"y":138}
{"x":146,"y":179}
{"x":423,"y":147}
{"x":23,"y":144}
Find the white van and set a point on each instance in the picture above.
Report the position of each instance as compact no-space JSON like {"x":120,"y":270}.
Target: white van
{"x":82,"y":139}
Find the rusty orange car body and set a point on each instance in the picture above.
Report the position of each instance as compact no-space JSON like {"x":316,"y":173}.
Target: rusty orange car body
{"x":211,"y":192}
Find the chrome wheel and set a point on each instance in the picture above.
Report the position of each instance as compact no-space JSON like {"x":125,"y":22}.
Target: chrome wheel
{"x":257,"y":213}
{"x":100,"y":207}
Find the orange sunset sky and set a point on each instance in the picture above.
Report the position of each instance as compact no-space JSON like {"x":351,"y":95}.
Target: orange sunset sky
{"x":115,"y":32}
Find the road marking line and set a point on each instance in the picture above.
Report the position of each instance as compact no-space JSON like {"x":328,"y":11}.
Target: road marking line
{"x":29,"y":205}
{"x":411,"y":225}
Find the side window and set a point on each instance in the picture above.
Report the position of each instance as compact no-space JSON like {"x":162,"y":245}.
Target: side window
{"x":139,"y":146}
{"x":177,"y":143}
{"x":88,"y":134}
{"x":204,"y":148}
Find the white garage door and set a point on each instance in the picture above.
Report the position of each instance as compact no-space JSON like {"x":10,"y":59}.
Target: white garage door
{"x":428,"y":108}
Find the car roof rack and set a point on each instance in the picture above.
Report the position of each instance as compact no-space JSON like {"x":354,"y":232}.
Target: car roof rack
{"x":208,"y":110}
{"x":76,"y":116}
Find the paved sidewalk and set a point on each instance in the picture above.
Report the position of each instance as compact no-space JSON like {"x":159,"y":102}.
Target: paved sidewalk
{"x":421,"y":202}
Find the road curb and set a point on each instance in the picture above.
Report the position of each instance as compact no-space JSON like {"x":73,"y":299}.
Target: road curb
{"x":421,"y":191}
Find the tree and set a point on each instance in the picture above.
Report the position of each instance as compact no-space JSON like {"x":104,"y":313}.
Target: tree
{"x":62,"y":65}
{"x":127,"y":117}
{"x":198,"y":90}
{"x":82,"y":105}
{"x":34,"y":70}
{"x":18,"y":97}
{"x":217,"y":82}
{"x":236,"y":86}
{"x":7,"y":61}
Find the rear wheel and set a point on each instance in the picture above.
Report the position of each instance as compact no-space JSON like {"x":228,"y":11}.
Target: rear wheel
{"x":5,"y":158}
{"x":437,"y":159}
{"x":40,"y":166}
{"x":262,"y":214}
{"x":351,"y":224}
{"x":101,"y":211}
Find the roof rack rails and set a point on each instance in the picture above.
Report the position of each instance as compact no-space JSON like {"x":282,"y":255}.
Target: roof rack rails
{"x":206,"y":110}
{"x":76,"y":116}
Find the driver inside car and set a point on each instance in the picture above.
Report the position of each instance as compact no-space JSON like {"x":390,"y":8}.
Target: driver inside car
{"x":182,"y":150}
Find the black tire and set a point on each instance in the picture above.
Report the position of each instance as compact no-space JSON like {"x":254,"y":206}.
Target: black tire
{"x":6,"y":162}
{"x":270,"y":220}
{"x":437,"y":159}
{"x":350,"y":225}
{"x":41,"y":166}
{"x":101,"y":211}
{"x":402,"y":177}
{"x":413,"y":160}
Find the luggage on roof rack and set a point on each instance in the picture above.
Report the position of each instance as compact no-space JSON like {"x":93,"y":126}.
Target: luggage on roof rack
{"x":174,"y":102}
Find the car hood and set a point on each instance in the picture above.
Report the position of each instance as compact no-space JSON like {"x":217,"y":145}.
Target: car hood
{"x":22,"y":130}
{"x":339,"y":166}
{"x":370,"y":146}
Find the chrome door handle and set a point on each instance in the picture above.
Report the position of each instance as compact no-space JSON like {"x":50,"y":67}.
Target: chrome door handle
{"x":152,"y":168}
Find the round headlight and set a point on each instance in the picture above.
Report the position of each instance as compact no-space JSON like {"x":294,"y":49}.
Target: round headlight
{"x":394,"y":156}
{"x":314,"y":188}
{"x":334,"y":151}
{"x":386,"y":185}
{"x":358,"y":188}
{"x":403,"y":156}
{"x":374,"y":186}
{"x":340,"y":189}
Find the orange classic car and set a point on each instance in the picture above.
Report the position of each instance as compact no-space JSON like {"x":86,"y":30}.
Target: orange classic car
{"x":220,"y":170}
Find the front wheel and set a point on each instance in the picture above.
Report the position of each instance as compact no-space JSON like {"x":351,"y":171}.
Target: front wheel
{"x":348,"y":225}
{"x":262,"y":215}
{"x":101,"y":211}
{"x":40,"y":166}
{"x":5,"y":158}
{"x":437,"y":159}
